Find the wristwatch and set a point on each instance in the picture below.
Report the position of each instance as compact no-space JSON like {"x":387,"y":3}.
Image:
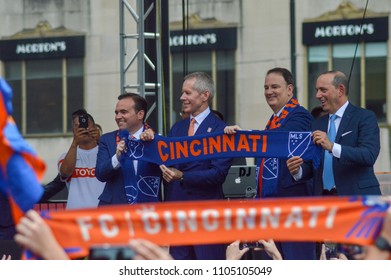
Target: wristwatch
{"x":181,"y":179}
{"x":382,"y":244}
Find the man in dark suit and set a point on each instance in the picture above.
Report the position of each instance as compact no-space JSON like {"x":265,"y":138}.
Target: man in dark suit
{"x":7,"y":225}
{"x":355,"y":148}
{"x":130,"y":116}
{"x":8,"y":247}
{"x":198,"y":180}
{"x":274,"y":179}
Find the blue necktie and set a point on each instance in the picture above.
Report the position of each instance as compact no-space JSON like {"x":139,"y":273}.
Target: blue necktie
{"x":328,"y":176}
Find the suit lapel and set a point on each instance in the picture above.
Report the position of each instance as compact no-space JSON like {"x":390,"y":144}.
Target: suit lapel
{"x":207,"y":126}
{"x":324,"y":123}
{"x":346,"y":118}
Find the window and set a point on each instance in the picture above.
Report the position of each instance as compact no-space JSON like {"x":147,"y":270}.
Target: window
{"x":40,"y":88}
{"x":375,"y":83}
{"x":367,"y":86}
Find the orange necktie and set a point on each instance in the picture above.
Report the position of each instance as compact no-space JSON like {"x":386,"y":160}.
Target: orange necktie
{"x":191,"y":127}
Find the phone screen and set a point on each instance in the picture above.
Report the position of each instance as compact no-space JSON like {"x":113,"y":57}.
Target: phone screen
{"x":112,"y":253}
{"x":349,"y":249}
{"x":250,"y":245}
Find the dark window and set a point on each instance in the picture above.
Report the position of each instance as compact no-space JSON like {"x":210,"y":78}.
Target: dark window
{"x":40,"y":88}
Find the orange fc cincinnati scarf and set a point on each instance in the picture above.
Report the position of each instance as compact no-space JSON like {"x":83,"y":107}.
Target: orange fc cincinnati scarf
{"x":340,"y":219}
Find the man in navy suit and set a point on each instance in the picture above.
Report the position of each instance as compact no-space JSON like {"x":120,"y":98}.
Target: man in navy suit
{"x":274,"y":179}
{"x":355,"y":148}
{"x":198,"y":180}
{"x":130,"y":116}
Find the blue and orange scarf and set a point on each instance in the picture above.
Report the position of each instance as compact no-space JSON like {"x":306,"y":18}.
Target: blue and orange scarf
{"x":144,"y":185}
{"x":267,"y":168}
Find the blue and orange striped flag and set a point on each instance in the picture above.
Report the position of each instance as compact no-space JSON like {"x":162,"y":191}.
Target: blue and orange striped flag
{"x":21,"y":170}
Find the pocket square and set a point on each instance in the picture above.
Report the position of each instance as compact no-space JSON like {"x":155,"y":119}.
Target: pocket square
{"x":346,"y":133}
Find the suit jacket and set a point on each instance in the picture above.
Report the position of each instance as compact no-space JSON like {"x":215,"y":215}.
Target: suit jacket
{"x":114,"y":191}
{"x":52,"y":188}
{"x":7,"y":226}
{"x":297,"y":120}
{"x":359,"y":136}
{"x":5,"y":210}
{"x":202,"y":179}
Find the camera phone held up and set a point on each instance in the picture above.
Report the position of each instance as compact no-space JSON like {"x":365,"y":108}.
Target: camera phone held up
{"x":250,"y":245}
{"x":83,"y":121}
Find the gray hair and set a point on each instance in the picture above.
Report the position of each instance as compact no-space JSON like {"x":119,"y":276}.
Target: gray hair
{"x":203,"y":82}
{"x":339,"y":78}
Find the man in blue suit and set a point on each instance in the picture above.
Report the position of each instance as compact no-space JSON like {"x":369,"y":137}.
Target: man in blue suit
{"x":130,"y":115}
{"x":198,"y":180}
{"x":274,"y":179}
{"x":355,"y":148}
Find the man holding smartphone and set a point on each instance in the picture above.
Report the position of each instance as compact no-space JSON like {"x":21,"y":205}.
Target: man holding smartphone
{"x":77,"y":166}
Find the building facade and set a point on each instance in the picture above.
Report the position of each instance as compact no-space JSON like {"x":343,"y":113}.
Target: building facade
{"x":62,"y":55}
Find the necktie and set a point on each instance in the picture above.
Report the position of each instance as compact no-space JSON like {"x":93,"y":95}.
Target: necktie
{"x":328,"y":175}
{"x":191,"y":127}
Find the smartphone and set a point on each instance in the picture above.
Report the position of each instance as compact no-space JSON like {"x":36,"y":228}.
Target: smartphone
{"x":111,"y":253}
{"x":250,"y":245}
{"x":331,"y":251}
{"x":83,"y":121}
{"x":349,"y":249}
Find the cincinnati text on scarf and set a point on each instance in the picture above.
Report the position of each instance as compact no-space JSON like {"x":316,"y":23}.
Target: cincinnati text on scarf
{"x":210,"y":220}
{"x":244,"y":143}
{"x":211,"y":145}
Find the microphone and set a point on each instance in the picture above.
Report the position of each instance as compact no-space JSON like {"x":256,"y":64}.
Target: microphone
{"x":123,"y":134}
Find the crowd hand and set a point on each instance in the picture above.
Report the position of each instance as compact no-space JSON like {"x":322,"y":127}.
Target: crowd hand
{"x":6,"y":258}
{"x":341,"y":256}
{"x":147,"y":135}
{"x":233,"y":252}
{"x":323,"y":253}
{"x":271,"y":249}
{"x":33,"y":233}
{"x":146,"y":250}
{"x":170,"y":174}
{"x":94,"y":133}
{"x":372,"y":253}
{"x":320,"y":138}
{"x":231,"y":129}
{"x":121,"y":148}
{"x":79,"y":135}
{"x":294,"y":164}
